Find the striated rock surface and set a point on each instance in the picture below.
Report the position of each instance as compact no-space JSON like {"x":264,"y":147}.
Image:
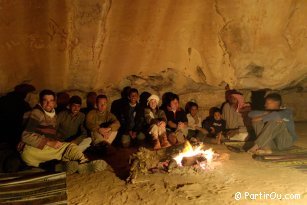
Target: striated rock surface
{"x":189,"y":47}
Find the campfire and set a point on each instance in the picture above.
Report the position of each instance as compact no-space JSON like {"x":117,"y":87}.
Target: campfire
{"x":194,"y":156}
{"x":173,"y":159}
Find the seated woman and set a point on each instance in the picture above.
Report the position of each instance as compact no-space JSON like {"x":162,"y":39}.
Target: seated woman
{"x":195,"y":130}
{"x":156,"y":121}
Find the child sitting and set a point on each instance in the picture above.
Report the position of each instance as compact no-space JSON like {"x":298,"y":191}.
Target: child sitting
{"x":215,"y":125}
{"x":195,"y":130}
{"x":156,"y":120}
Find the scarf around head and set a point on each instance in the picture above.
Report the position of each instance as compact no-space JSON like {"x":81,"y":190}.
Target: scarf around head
{"x":241,"y":102}
{"x":153,"y":97}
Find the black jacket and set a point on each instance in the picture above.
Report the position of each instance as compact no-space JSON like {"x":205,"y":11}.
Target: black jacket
{"x":132,"y":118}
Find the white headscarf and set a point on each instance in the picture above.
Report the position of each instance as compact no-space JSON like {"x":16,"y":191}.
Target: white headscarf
{"x":153,"y":97}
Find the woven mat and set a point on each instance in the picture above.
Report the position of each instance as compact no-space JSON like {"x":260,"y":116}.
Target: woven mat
{"x":33,"y":188}
{"x":294,"y":157}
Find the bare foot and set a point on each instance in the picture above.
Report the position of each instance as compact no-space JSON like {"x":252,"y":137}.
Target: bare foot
{"x":253,"y":149}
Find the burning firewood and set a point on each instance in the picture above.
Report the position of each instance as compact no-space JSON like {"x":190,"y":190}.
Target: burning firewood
{"x":166,"y":160}
{"x":189,"y":161}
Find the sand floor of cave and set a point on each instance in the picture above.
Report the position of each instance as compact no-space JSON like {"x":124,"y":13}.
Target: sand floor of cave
{"x":238,"y":174}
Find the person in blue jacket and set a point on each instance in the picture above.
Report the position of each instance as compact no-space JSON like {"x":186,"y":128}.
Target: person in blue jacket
{"x":274,"y":127}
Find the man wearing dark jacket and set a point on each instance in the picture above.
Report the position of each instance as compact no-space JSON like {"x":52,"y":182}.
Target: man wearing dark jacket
{"x":132,"y":120}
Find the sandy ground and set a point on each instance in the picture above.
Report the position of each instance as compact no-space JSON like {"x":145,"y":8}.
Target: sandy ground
{"x":219,"y":186}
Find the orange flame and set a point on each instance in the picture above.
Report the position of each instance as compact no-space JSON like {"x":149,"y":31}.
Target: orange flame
{"x":189,"y":151}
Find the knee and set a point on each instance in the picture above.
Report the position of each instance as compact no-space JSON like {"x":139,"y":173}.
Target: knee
{"x":72,"y":148}
{"x":185,"y":131}
{"x":256,"y":124}
{"x":162,"y":130}
{"x":87,"y":140}
{"x":70,"y":145}
{"x":172,"y":138}
{"x":154,"y":128}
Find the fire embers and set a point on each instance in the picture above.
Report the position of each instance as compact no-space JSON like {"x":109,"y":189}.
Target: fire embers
{"x":180,"y":159}
{"x":194,"y":160}
{"x":196,"y":156}
{"x":189,"y":157}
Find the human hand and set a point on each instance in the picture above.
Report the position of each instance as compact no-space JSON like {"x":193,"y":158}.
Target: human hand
{"x":161,"y":124}
{"x":107,"y":135}
{"x":104,"y":131}
{"x":54,"y":144}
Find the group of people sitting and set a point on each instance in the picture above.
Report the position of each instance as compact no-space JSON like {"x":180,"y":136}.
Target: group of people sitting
{"x":65,"y":132}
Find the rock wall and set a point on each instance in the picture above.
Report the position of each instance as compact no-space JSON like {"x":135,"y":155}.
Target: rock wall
{"x":189,"y":47}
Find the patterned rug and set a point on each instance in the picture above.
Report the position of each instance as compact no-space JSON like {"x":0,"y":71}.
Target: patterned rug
{"x":294,"y":157}
{"x":33,"y":188}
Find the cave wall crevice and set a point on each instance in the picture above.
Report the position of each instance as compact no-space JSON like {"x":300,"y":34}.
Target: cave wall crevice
{"x":181,"y":46}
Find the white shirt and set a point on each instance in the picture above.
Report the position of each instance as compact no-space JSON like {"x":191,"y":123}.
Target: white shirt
{"x":191,"y":122}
